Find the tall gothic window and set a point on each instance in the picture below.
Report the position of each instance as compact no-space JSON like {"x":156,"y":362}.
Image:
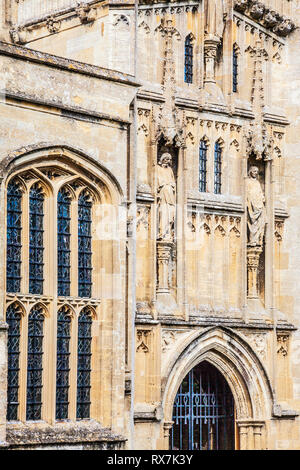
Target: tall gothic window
{"x":234,"y":69}
{"x":84,"y":364}
{"x":14,"y":244}
{"x":188,"y":60}
{"x":13,"y":319}
{"x":37,"y":284}
{"x":84,"y":245}
{"x":217,"y":169}
{"x":36,"y":244}
{"x":35,"y":364}
{"x":202,"y":165}
{"x":63,"y":242}
{"x":62,"y":362}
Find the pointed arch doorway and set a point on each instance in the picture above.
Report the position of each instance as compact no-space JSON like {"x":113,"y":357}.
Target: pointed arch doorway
{"x":203,"y":412}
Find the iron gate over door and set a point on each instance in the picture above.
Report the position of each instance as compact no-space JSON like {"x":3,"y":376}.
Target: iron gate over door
{"x":203,"y":412}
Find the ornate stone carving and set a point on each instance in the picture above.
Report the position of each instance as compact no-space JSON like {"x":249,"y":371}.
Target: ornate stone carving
{"x":258,"y":340}
{"x":279,"y":224}
{"x":241,"y":5}
{"x":53,"y":25}
{"x":164,"y":259}
{"x":142,"y":217}
{"x":267,"y":17}
{"x":166,"y":198}
{"x":271,"y":19}
{"x":143,"y":341}
{"x":256,"y":10}
{"x":282,"y":343}
{"x":253,"y":255}
{"x":214,"y":18}
{"x":169,"y":337}
{"x":285,"y":27}
{"x":166,"y":122}
{"x":18,"y":35}
{"x":85,"y":13}
{"x":256,"y":213}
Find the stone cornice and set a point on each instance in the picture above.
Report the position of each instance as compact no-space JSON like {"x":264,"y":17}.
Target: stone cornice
{"x":72,"y":66}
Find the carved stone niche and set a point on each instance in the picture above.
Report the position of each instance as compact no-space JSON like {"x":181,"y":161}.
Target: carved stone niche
{"x":256,"y":223}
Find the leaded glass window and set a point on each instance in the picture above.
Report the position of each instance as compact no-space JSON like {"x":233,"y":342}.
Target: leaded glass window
{"x":14,"y":244}
{"x":62,"y":362}
{"x":35,"y":364}
{"x":84,"y":245}
{"x":36,"y":244}
{"x":13,"y":319}
{"x":84,"y":364}
{"x":217,"y":169}
{"x":234,"y":70}
{"x":63,"y":242}
{"x":202,"y":165}
{"x":188,"y":60}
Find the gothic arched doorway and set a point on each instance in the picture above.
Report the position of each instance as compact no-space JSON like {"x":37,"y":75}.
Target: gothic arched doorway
{"x":203,"y":412}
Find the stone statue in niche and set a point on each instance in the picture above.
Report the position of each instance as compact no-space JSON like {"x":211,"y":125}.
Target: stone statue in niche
{"x":256,"y":211}
{"x":214,"y":18}
{"x":166,"y":193}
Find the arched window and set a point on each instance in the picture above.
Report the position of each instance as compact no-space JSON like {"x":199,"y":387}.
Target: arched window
{"x":84,"y":245}
{"x":14,"y":243}
{"x":63,"y":242}
{"x":13,"y":319}
{"x":84,"y":364}
{"x":62,"y":362}
{"x":188,"y":60}
{"x":234,"y":69}
{"x":35,"y":363}
{"x":36,"y":242}
{"x":202,"y":165}
{"x":217,"y":169}
{"x":51,"y":211}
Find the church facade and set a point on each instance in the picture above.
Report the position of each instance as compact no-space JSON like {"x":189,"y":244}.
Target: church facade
{"x":149,"y":235}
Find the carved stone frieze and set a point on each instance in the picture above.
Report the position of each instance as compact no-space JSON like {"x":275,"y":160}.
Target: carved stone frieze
{"x":265,"y":16}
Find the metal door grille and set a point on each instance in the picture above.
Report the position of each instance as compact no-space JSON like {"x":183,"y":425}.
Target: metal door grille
{"x":203,"y":412}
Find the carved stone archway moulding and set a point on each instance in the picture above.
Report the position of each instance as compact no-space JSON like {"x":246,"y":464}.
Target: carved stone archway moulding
{"x":241,"y":367}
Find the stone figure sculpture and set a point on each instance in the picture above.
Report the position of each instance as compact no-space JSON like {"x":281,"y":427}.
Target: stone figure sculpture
{"x":214,"y":13}
{"x":166,"y":193}
{"x":256,"y":212}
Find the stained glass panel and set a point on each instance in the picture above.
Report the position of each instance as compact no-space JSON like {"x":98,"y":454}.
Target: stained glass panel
{"x":84,"y":364}
{"x":35,"y":364}
{"x":218,"y":169}
{"x":14,"y":245}
{"x":63,"y":242}
{"x":62,"y":362}
{"x":36,"y":245}
{"x":202,"y":166}
{"x":84,"y":245}
{"x":188,"y":60}
{"x":13,"y":319}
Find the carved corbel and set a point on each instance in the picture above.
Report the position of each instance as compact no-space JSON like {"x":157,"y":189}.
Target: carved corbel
{"x":18,"y":35}
{"x":257,"y":10}
{"x":285,"y":27}
{"x":85,"y":13}
{"x":241,"y":5}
